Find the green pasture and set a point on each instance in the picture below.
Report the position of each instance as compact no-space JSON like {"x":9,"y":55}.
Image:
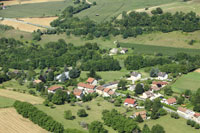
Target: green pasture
{"x":6,"y":102}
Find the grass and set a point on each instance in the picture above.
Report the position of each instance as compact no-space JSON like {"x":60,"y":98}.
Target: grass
{"x":6,"y":102}
{"x":171,"y":125}
{"x":94,"y":114}
{"x":187,"y":81}
{"x":13,"y":84}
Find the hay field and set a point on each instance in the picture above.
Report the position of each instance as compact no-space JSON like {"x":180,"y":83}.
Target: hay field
{"x":12,"y":122}
{"x":16,"y":2}
{"x":21,"y":96}
{"x":21,"y":26}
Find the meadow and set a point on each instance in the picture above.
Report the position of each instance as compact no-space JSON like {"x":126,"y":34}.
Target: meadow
{"x":171,"y":125}
{"x":187,"y":81}
{"x":6,"y":102}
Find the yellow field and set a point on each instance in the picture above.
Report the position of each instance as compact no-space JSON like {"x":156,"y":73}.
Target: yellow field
{"x":12,"y":122}
{"x":21,"y":97}
{"x":15,"y":2}
{"x":21,"y":26}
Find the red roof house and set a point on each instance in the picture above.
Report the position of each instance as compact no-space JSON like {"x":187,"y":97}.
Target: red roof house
{"x":171,"y":101}
{"x":130,"y":102}
{"x":52,"y":89}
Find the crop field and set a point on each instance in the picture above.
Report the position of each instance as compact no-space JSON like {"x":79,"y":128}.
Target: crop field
{"x":187,"y":81}
{"x":171,"y":125}
{"x":40,"y":21}
{"x":93,"y":114}
{"x":21,"y":96}
{"x":12,"y":122}
{"x":6,"y":102}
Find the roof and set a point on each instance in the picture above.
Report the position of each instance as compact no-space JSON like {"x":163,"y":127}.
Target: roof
{"x":106,"y":90}
{"x":91,"y":91}
{"x":155,"y":88}
{"x":101,"y":88}
{"x":142,"y":114}
{"x":90,"y":80}
{"x":135,"y":74}
{"x":149,"y":94}
{"x":160,"y":82}
{"x":171,"y":100}
{"x":182,"y":109}
{"x":37,"y":81}
{"x":111,"y":92}
{"x":88,"y":86}
{"x":162,"y":74}
{"x":77,"y":92}
{"x":196,"y":115}
{"x":55,"y":87}
{"x":111,"y":83}
{"x":129,"y":101}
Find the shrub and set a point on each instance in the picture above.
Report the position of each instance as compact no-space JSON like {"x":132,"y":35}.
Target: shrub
{"x":82,"y":113}
{"x":196,"y":126}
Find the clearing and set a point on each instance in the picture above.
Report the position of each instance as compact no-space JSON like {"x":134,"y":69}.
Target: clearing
{"x":12,"y":122}
{"x":187,"y":81}
{"x":171,"y":125}
{"x":6,"y":102}
{"x":21,"y":96}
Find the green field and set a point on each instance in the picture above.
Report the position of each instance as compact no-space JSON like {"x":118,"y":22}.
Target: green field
{"x":94,"y":114}
{"x":187,"y":81}
{"x":13,"y":84}
{"x":6,"y":102}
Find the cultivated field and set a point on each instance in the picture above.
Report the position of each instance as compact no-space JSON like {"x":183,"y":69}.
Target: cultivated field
{"x":21,"y":97}
{"x":6,"y":102}
{"x":187,"y":81}
{"x":171,"y":125}
{"x":12,"y":122}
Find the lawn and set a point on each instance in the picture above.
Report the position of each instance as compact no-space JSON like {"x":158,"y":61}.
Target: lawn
{"x":171,"y":125}
{"x":94,"y":114}
{"x":187,"y":81}
{"x":13,"y":84}
{"x":6,"y":102}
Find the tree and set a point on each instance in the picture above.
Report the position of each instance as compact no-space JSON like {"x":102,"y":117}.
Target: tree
{"x":154,"y":72}
{"x":122,"y":85}
{"x":63,"y":78}
{"x":82,"y":113}
{"x":58,"y":98}
{"x":139,"y":89}
{"x":50,"y":76}
{"x":139,"y":119}
{"x":74,"y":73}
{"x":146,"y":129}
{"x":94,"y":3}
{"x":162,"y":112}
{"x":93,"y":74}
{"x":157,"y":129}
{"x":156,"y":105}
{"x":118,"y":102}
{"x":68,"y":115}
{"x":168,"y":91}
{"x":148,"y":104}
{"x":97,"y":127}
{"x":180,"y":100}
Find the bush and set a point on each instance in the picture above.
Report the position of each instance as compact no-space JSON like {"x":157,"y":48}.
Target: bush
{"x":188,"y":122}
{"x":68,"y":115}
{"x":82,"y":113}
{"x":175,"y":115}
{"x":193,"y":123}
{"x":162,"y":112}
{"x":196,"y":126}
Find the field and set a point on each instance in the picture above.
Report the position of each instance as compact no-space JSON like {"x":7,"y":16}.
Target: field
{"x":40,"y":21}
{"x":12,"y":122}
{"x":94,"y":114}
{"x":6,"y":102}
{"x":171,"y":125}
{"x":187,"y":81}
{"x":21,"y":96}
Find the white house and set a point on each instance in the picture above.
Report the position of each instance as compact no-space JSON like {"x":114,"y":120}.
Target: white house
{"x":186,"y":113}
{"x":171,"y":101}
{"x":124,"y":51}
{"x":92,"y":81}
{"x":100,"y":89}
{"x":134,"y":76}
{"x":162,"y":76}
{"x":147,"y":94}
{"x":129,"y":102}
{"x":60,"y":75}
{"x":113,"y":51}
{"x":54,"y":88}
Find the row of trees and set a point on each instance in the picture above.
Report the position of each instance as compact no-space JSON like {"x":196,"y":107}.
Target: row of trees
{"x":27,"y":110}
{"x":5,"y":27}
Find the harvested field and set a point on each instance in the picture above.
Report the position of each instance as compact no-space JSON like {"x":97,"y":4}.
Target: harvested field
{"x":16,"y":2}
{"x":197,"y":70}
{"x":21,"y":26}
{"x":41,"y":21}
{"x":12,"y":122}
{"x":21,"y":97}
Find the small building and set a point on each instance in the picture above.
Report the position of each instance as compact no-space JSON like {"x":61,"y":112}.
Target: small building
{"x":134,"y":76}
{"x":111,"y":93}
{"x":105,"y":92}
{"x":37,"y":81}
{"x":162,"y":76}
{"x":85,"y":87}
{"x":186,"y":113}
{"x":66,"y":74}
{"x":159,"y":83}
{"x":100,"y":89}
{"x":124,"y":51}
{"x":113,"y":51}
{"x":197,"y":117}
{"x":111,"y":85}
{"x":171,"y":101}
{"x":54,"y":88}
{"x":147,"y":94}
{"x":155,"y":88}
{"x":131,"y":88}
{"x":143,"y":114}
{"x":129,"y":102}
{"x":92,"y":81}
{"x":78,"y":93}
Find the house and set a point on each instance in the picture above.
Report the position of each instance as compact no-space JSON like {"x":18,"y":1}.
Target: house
{"x":37,"y":81}
{"x":155,"y":88}
{"x":159,"y":83}
{"x":197,"y":117}
{"x":186,"y":113}
{"x":59,"y":77}
{"x":147,"y":94}
{"x":124,"y":51}
{"x":78,"y":93}
{"x":111,"y":85}
{"x":92,"y":81}
{"x":155,"y":95}
{"x":132,"y":88}
{"x":111,"y":93}
{"x":143,"y":114}
{"x":105,"y":92}
{"x":85,"y":87}
{"x":129,"y":102}
{"x":54,"y":88}
{"x":100,"y":89}
{"x":162,"y":76}
{"x":171,"y":101}
{"x":113,"y":51}
{"x":134,"y":76}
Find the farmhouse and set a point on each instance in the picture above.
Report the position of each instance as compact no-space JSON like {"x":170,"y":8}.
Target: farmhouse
{"x":129,"y":102}
{"x":92,"y":81}
{"x":143,"y":114}
{"x":162,"y":76}
{"x":171,"y":101}
{"x":124,"y":51}
{"x":54,"y":88}
{"x":78,"y":93}
{"x":135,"y":76}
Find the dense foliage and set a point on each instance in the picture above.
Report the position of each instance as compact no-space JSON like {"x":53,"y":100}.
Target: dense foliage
{"x":5,"y":27}
{"x":27,"y":110}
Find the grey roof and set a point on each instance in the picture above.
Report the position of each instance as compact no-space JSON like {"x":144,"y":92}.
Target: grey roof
{"x":66,"y":75}
{"x":162,"y":74}
{"x":135,"y":74}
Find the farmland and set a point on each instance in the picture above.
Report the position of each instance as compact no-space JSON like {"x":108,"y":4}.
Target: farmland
{"x":12,"y":122}
{"x":6,"y":102}
{"x":187,"y":81}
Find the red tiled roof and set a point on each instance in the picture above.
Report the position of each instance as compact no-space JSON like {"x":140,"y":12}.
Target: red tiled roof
{"x":55,"y":87}
{"x":106,"y":90}
{"x":77,"y":92}
{"x":182,"y":109}
{"x":90,"y":80}
{"x":171,"y":100}
{"x":111,"y":92}
{"x":159,"y":82}
{"x":91,"y":91}
{"x":88,"y":86}
{"x":129,"y":101}
{"x":142,"y":114}
{"x":155,"y":88}
{"x":196,"y":115}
